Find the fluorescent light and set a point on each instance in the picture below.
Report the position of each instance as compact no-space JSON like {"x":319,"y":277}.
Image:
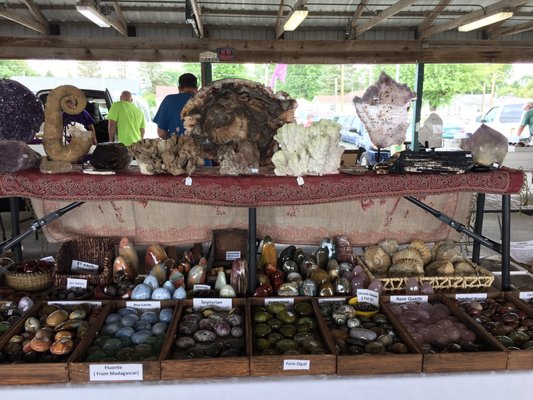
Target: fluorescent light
{"x":93,"y":15}
{"x":491,"y":19}
{"x":295,"y":19}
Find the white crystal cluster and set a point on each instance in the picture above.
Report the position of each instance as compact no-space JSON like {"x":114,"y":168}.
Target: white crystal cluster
{"x":313,"y":150}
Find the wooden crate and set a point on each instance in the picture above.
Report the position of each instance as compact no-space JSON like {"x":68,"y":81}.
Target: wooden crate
{"x":6,"y":335}
{"x":280,"y":365}
{"x":42,"y":373}
{"x":228,"y":244}
{"x":83,"y":372}
{"x":374,"y":364}
{"x":221,"y":367}
{"x":493,"y":359}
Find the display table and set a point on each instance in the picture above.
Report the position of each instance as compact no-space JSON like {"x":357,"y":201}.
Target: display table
{"x":250,"y":191}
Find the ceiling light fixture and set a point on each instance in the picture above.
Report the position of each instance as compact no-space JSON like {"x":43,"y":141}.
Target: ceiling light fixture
{"x":92,"y":14}
{"x":295,"y":19}
{"x":488,"y":20}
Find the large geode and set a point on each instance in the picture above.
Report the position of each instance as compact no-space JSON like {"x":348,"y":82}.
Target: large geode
{"x":228,"y":112}
{"x":113,"y":156}
{"x":488,"y":146}
{"x":21,"y":112}
{"x":17,"y":156}
{"x":384,"y":111}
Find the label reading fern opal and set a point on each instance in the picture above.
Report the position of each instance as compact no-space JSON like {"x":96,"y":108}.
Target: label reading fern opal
{"x":144,"y":305}
{"x":233,"y":255}
{"x":289,"y":301}
{"x":405,"y":299}
{"x":116,"y":372}
{"x":526,"y":295}
{"x":289,"y":365}
{"x":368,"y":296}
{"x":324,"y":300}
{"x":471,"y":296}
{"x":224,"y":304}
{"x":74,"y":283}
{"x":83,"y":267}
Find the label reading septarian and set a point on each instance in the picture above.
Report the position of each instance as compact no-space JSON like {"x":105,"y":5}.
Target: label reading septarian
{"x":224,"y":304}
{"x":116,"y":372}
{"x":289,"y":365}
{"x":407,"y":299}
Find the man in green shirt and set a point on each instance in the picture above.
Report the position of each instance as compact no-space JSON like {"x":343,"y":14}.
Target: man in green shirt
{"x":126,"y":119}
{"x":527,"y":119}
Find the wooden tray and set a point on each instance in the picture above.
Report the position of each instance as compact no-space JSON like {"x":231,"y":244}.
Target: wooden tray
{"x":277,"y":365}
{"x":493,"y":359}
{"x":220,"y":367}
{"x":42,"y":373}
{"x":374,"y":364}
{"x":83,"y":372}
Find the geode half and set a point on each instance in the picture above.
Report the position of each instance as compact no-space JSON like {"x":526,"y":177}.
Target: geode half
{"x":17,"y":156}
{"x":384,"y":111}
{"x":21,"y":112}
{"x":112,"y":156}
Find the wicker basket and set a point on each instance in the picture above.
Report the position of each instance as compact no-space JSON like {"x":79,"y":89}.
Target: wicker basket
{"x":99,"y":251}
{"x":483,"y":279}
{"x":28,"y":282}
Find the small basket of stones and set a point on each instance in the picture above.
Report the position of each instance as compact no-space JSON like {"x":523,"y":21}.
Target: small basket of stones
{"x":360,"y":329}
{"x":209,"y":340}
{"x":289,"y":339}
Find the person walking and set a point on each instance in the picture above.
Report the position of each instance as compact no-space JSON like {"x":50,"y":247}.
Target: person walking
{"x":168,"y":116}
{"x":83,"y":118}
{"x":125,"y":121}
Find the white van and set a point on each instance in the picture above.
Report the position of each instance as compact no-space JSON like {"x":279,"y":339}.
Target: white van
{"x":505,"y":118}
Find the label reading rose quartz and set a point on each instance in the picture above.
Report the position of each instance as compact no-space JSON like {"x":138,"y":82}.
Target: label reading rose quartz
{"x":188,"y":181}
{"x":74,"y":283}
{"x":289,"y":365}
{"x":116,"y":372}
{"x":368,"y":296}
{"x":471,"y":296}
{"x":289,"y":301}
{"x":407,"y":299}
{"x":144,"y":305}
{"x":233,"y":255}
{"x":82,"y":267}
{"x":526,"y":295}
{"x":223,"y":304}
{"x":300,"y":181}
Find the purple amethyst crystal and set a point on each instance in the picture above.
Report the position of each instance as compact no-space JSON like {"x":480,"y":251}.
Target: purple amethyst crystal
{"x":17,"y":155}
{"x":21,"y":112}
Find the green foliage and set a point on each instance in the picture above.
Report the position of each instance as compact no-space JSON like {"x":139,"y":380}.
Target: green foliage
{"x":150,"y":98}
{"x":10,"y":68}
{"x":89,"y":69}
{"x":222,"y":71}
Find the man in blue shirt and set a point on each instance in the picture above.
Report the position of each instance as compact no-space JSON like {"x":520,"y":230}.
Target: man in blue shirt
{"x":168,"y":116}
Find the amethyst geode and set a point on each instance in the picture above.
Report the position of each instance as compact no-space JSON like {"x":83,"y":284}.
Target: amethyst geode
{"x":21,"y":112}
{"x":17,"y":155}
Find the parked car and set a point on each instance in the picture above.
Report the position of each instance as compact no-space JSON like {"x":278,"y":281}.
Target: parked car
{"x":453,"y":129}
{"x":98,"y":105}
{"x":505,"y":118}
{"x":353,"y":131}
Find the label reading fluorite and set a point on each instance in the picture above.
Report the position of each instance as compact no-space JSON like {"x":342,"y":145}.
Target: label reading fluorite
{"x":526,"y":295}
{"x":368,"y":296}
{"x":407,"y":299}
{"x":296,"y":364}
{"x":74,"y":283}
{"x":82,"y":266}
{"x":225,"y":304}
{"x":116,"y":372}
{"x":283,"y":300}
{"x":144,"y":305}
{"x":233,"y":255}
{"x":471,"y":296}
